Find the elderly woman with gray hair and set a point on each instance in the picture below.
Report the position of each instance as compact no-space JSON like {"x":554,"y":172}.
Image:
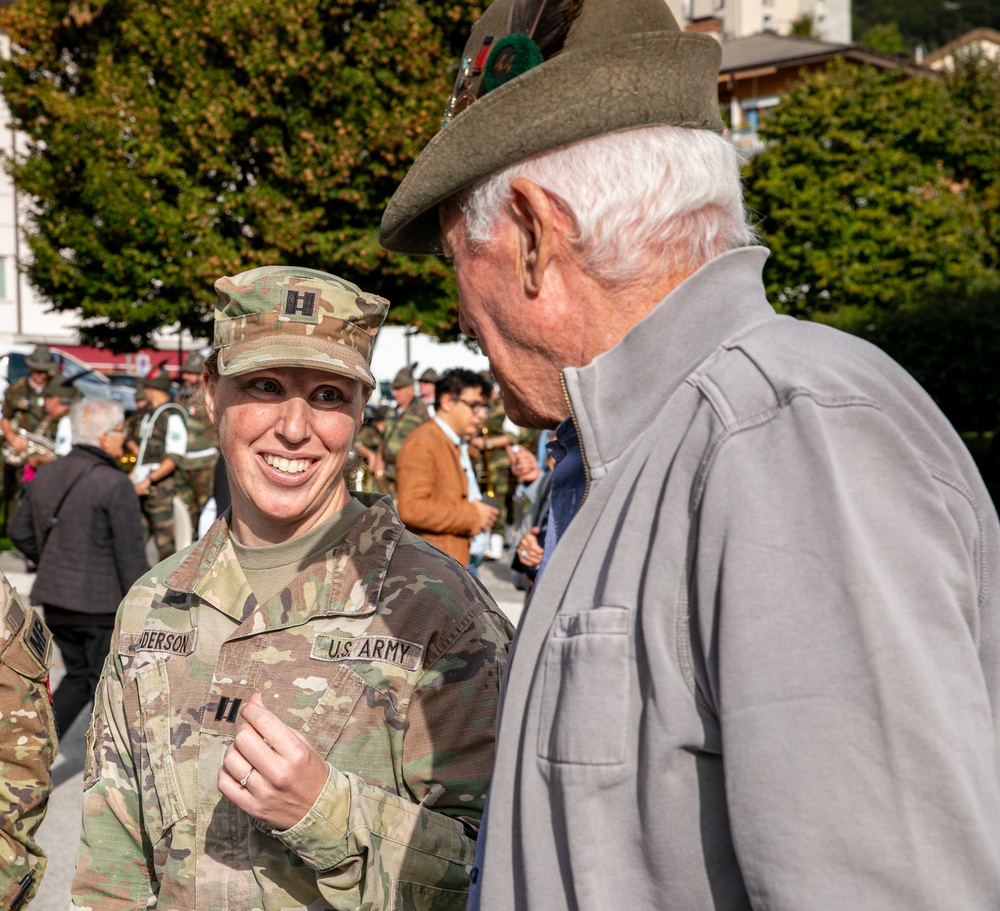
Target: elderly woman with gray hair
{"x":80,"y":521}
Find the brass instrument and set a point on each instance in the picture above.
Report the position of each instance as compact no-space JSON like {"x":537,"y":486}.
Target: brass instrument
{"x":127,"y":461}
{"x":357,"y":475}
{"x":487,"y":474}
{"x":37,"y":445}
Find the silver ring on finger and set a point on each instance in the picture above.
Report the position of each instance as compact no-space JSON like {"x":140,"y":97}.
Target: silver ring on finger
{"x":245,"y":778}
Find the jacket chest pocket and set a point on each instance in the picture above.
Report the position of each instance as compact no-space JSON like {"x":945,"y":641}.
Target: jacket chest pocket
{"x":157,"y":758}
{"x":584,"y":709}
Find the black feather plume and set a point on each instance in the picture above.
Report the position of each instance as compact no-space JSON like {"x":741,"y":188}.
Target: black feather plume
{"x":546,"y":22}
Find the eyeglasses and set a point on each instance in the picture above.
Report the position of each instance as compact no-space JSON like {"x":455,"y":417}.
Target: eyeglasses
{"x":481,"y":407}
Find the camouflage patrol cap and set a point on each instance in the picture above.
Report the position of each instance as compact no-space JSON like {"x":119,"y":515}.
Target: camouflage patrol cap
{"x":287,"y":316}
{"x":535,"y":76}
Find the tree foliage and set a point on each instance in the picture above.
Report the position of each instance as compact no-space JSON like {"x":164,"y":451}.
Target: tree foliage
{"x":879,"y":197}
{"x":172,"y":143}
{"x":930,"y":23}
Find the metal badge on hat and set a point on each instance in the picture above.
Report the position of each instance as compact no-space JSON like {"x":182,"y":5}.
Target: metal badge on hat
{"x":536,"y":31}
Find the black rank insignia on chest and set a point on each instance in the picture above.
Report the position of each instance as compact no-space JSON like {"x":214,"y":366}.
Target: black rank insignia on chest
{"x":227,"y":709}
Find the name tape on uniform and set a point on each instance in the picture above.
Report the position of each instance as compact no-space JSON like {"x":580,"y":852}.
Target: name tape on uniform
{"x":404,"y":654}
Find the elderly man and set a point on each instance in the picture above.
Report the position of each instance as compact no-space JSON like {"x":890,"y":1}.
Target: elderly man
{"x":760,"y":665}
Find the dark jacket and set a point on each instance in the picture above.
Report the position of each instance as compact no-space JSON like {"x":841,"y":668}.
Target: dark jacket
{"x":96,"y":550}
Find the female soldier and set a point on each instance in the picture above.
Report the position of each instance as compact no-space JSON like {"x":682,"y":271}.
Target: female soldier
{"x":298,"y":710}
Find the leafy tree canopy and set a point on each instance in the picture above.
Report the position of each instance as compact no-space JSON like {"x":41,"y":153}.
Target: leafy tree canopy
{"x":172,"y":143}
{"x":930,"y":23}
{"x":879,"y":197}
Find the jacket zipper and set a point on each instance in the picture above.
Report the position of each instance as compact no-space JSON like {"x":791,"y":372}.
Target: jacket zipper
{"x":579,"y":439}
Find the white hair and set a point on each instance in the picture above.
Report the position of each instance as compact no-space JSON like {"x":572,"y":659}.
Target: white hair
{"x":90,"y":419}
{"x":641,"y":200}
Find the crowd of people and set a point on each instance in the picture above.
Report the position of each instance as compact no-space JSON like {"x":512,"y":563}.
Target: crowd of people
{"x":759,"y":664}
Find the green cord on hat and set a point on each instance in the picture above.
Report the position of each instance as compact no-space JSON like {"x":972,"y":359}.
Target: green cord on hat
{"x":511,"y":56}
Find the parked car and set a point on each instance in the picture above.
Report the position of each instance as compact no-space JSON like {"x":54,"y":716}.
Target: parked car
{"x":91,"y":384}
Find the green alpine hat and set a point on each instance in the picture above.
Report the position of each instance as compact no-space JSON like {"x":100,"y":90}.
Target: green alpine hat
{"x":287,"y":316}
{"x":41,"y":359}
{"x":63,"y":389}
{"x":536,"y":75}
{"x":158,"y":379}
{"x":404,"y":377}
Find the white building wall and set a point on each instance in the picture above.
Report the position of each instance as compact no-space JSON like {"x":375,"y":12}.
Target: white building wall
{"x":22,"y":313}
{"x":740,"y":18}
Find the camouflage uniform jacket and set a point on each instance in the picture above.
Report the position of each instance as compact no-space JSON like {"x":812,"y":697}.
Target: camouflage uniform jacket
{"x":27,"y":746}
{"x":203,"y":438}
{"x":23,"y":406}
{"x":398,"y":428}
{"x":384,"y":654}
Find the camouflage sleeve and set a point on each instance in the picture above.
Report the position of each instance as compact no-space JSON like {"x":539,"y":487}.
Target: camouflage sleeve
{"x":114,"y":864}
{"x":27,"y":746}
{"x":374,"y":849}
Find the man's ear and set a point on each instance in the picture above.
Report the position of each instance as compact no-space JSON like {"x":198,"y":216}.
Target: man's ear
{"x":535,"y":217}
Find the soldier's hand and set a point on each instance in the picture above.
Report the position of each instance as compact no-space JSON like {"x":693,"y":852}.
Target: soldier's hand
{"x":282,"y":774}
{"x":16,"y":441}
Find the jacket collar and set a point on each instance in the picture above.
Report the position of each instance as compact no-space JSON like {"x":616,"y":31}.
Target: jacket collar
{"x":347,"y":581}
{"x":617,"y":396}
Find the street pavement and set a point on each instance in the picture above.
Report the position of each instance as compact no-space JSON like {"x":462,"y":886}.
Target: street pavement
{"x":59,"y":834}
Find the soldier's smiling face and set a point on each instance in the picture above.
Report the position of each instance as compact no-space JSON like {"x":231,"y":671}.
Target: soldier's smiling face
{"x":285,"y":434}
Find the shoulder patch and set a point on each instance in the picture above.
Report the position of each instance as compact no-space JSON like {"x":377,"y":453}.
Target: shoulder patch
{"x":14,"y":617}
{"x":38,"y":639}
{"x":156,"y":639}
{"x":384,"y":649}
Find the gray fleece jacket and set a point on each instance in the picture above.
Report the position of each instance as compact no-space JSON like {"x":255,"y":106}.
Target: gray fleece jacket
{"x":760,"y":669}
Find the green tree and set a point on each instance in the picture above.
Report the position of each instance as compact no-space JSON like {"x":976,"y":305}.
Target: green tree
{"x":805,"y":27}
{"x":856,"y":197}
{"x":885,"y":37}
{"x":878,"y":197}
{"x":171,"y":143}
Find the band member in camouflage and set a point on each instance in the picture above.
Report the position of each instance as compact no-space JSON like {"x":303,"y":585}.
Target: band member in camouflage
{"x":298,"y":710}
{"x":27,"y":746}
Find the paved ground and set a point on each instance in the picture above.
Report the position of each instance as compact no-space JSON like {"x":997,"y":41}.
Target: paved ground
{"x":60,"y":832}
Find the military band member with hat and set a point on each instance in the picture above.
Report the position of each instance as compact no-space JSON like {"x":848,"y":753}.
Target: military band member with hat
{"x":410,"y":413}
{"x":426,"y":385}
{"x":299,"y":709}
{"x":23,"y":410}
{"x":168,"y":502}
{"x":759,"y":667}
{"x":203,"y":440}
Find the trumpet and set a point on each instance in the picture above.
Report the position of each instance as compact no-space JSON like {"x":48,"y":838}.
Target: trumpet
{"x":487,"y":473}
{"x":37,"y":445}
